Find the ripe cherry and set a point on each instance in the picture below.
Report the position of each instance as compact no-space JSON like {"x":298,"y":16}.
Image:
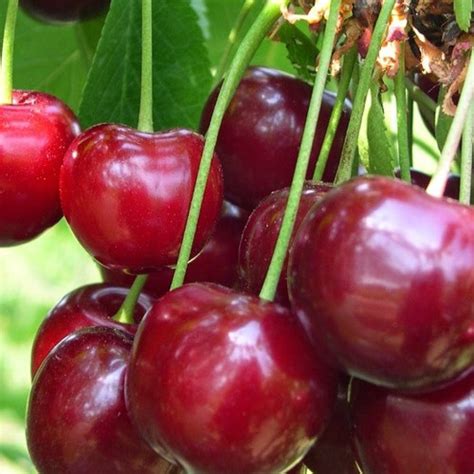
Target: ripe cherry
{"x":77,"y":420}
{"x":381,"y":277}
{"x":126,"y":195}
{"x":91,"y":305}
{"x":217,"y":263}
{"x":261,"y":132}
{"x":226,"y":382}
{"x":261,"y":233}
{"x":35,"y":132}
{"x":63,"y":11}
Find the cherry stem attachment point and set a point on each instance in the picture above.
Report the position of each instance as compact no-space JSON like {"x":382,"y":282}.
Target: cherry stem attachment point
{"x":350,"y":144}
{"x":438,"y":181}
{"x":145,"y":117}
{"x":125,"y":313}
{"x":281,"y":248}
{"x":262,"y":25}
{"x":6,"y":80}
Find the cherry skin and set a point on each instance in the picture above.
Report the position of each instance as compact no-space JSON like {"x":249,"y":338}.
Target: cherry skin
{"x":261,"y":133}
{"x":217,"y":263}
{"x":126,"y":195}
{"x":87,"y":306}
{"x":63,"y":11}
{"x":424,"y":434}
{"x":261,"y":233}
{"x":381,"y":277}
{"x":35,"y":132}
{"x":226,"y":382}
{"x":77,"y":420}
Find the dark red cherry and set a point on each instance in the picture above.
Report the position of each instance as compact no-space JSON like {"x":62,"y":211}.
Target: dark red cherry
{"x":217,"y":263}
{"x":77,"y":421}
{"x":381,"y":277}
{"x":261,"y":132}
{"x":261,"y":233}
{"x":126,"y":195}
{"x":63,"y":11}
{"x":91,"y":305}
{"x":226,"y":382}
{"x":424,"y":434}
{"x":35,"y":132}
{"x":422,"y":180}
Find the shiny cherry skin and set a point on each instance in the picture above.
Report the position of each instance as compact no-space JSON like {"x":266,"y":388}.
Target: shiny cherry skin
{"x":217,"y":263}
{"x":261,"y":233}
{"x":126,"y":195}
{"x":422,"y":180}
{"x":63,"y":11}
{"x":381,"y":277}
{"x":226,"y":382}
{"x":261,"y":132}
{"x":87,"y":306}
{"x":77,"y":420}
{"x":424,"y":434}
{"x":35,"y":132}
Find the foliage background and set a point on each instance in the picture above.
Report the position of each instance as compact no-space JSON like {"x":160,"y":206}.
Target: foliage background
{"x":56,"y":59}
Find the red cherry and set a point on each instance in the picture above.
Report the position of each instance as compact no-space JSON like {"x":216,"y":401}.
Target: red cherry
{"x":77,"y":421}
{"x":261,"y":132}
{"x":425,"y":434}
{"x":35,"y":132}
{"x":261,"y":233}
{"x":381,"y":277}
{"x":63,"y":11}
{"x":88,"y":306}
{"x":226,"y":382}
{"x":217,"y":263}
{"x":126,"y":195}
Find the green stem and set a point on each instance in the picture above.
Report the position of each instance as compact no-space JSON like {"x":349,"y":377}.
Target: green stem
{"x":350,"y":143}
{"x":145,"y":117}
{"x":466,"y":158}
{"x":281,"y":247}
{"x":125,"y":313}
{"x":343,"y":87}
{"x":438,"y":181}
{"x":6,"y":80}
{"x":420,"y":97}
{"x":233,"y":35}
{"x":410,"y":110}
{"x":402,"y":118}
{"x":244,"y":54}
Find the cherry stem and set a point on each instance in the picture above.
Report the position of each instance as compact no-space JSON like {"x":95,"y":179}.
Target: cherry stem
{"x":281,"y":247}
{"x":410,"y":111}
{"x":439,"y":179}
{"x":466,"y":158}
{"x":6,"y":81}
{"x":262,"y":25}
{"x":145,"y":117}
{"x":342,"y":89}
{"x":350,"y":143}
{"x":233,"y":35}
{"x":402,"y":118}
{"x":125,"y":313}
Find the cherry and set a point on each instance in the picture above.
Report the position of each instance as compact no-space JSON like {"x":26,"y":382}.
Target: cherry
{"x":261,"y":233}
{"x":35,"y":132}
{"x":126,"y":195}
{"x":90,"y":305}
{"x":381,"y":277}
{"x":422,"y":180}
{"x":261,"y":132}
{"x":426,"y":434}
{"x":77,"y":420}
{"x":63,"y":11}
{"x":216,"y":263}
{"x":226,"y":382}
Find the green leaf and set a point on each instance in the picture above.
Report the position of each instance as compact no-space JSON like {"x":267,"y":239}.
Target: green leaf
{"x":381,"y":155}
{"x":181,"y":76}
{"x":302,"y":52}
{"x":463,"y":10}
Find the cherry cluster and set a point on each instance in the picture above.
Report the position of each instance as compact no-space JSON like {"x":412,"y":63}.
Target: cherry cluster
{"x":363,"y":362}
